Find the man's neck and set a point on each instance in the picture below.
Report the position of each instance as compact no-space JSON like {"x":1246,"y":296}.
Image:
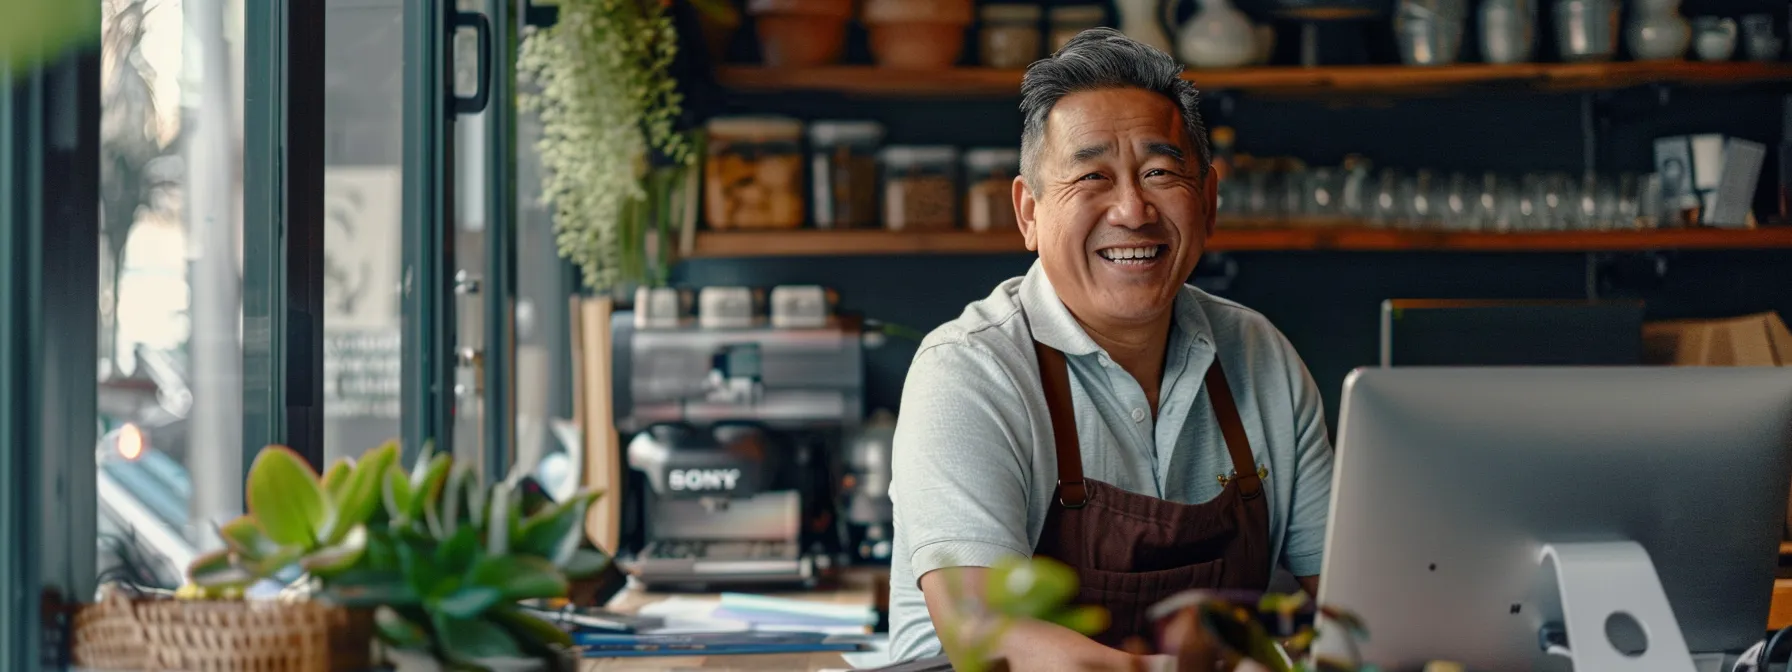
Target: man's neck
{"x":1137,"y":349}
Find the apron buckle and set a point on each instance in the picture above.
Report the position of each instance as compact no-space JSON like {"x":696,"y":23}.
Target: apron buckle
{"x":1073,"y":494}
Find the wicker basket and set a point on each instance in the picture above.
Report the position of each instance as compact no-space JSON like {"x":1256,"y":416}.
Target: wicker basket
{"x":107,"y":635}
{"x":221,"y":636}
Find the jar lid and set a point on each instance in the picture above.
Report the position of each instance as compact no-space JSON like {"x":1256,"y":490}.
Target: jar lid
{"x":1079,"y":14}
{"x":842,"y":132}
{"x":918,"y":11}
{"x":767,"y":127}
{"x":992,"y":158}
{"x":909,"y":155}
{"x":1011,"y":13}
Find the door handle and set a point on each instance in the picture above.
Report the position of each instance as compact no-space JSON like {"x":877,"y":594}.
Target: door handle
{"x":482,"y":32}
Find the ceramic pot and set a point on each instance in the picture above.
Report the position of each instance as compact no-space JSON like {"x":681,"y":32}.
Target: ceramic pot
{"x":1508,"y":30}
{"x":1714,"y":38}
{"x":1586,"y":30}
{"x":1217,"y":36}
{"x":1140,"y":20}
{"x":1657,"y":32}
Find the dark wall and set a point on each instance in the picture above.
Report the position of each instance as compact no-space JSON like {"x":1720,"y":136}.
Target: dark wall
{"x":1328,"y":303}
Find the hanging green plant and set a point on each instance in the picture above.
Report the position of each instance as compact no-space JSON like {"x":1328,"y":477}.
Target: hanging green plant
{"x":602,"y":86}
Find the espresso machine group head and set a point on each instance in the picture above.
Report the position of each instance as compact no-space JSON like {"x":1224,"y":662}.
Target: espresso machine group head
{"x":733,"y":426}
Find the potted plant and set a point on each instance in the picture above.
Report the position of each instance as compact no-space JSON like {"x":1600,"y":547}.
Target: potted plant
{"x":439,"y":560}
{"x":619,"y":175}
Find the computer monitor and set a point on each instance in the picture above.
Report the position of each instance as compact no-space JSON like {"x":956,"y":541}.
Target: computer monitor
{"x":1450,"y":483}
{"x":1453,"y":332}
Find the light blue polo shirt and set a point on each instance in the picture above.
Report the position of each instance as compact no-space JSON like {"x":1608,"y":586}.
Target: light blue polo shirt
{"x":974,"y":465}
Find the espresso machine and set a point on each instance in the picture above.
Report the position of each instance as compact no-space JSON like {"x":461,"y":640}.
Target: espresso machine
{"x":734,"y":421}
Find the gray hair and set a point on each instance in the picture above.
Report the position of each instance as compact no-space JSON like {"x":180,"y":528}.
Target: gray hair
{"x":1103,"y":58}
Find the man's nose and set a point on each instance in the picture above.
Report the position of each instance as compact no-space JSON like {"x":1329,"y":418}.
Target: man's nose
{"x":1129,"y":207}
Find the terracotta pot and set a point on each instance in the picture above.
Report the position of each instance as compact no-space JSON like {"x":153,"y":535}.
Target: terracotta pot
{"x":917,"y":46}
{"x":801,"y":40}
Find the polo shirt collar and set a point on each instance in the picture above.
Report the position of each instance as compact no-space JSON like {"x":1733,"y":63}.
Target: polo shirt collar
{"x":1053,"y":325}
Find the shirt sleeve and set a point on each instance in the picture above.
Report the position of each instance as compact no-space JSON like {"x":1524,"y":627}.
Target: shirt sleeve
{"x":958,"y":485}
{"x":1303,"y":549}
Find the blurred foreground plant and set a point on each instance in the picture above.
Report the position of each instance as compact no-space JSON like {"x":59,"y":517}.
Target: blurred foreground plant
{"x":1202,"y":630}
{"x":442,"y":559}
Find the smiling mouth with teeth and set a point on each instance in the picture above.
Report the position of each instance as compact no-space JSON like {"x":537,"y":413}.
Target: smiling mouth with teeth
{"x":1131,"y":255}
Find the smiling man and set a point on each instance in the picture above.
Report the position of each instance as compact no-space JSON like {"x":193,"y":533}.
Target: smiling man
{"x":1100,"y":410}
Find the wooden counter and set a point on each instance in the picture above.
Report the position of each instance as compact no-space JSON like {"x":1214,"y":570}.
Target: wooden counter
{"x":862,"y":589}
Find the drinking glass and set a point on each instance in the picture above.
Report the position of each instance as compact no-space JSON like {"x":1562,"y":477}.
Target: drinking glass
{"x":1385,"y":210}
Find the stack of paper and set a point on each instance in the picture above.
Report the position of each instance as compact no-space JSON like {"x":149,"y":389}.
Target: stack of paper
{"x":754,"y":613}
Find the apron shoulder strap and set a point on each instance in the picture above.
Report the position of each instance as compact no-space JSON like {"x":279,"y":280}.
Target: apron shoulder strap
{"x":1238,"y":444}
{"x":1054,"y":378}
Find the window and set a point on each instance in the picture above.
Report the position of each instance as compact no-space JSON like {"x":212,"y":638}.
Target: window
{"x":169,"y":459}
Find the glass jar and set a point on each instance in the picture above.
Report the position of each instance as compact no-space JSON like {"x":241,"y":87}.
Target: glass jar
{"x":753,"y":173}
{"x":920,"y":187}
{"x":843,"y":170}
{"x":1069,"y":20}
{"x":989,"y":188}
{"x":1010,"y":37}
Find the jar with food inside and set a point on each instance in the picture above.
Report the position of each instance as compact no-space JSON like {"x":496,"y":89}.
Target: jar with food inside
{"x":843,"y":170}
{"x":989,"y":188}
{"x":1068,"y":20}
{"x":753,"y":175}
{"x":1010,"y":37}
{"x":920,"y":187}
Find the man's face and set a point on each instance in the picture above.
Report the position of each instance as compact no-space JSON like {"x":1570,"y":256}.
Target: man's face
{"x":1123,"y":211}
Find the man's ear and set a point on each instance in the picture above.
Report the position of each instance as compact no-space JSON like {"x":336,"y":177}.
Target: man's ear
{"x":1210,"y":192}
{"x":1023,"y":214}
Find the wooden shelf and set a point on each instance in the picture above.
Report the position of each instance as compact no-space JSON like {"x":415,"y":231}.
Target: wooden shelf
{"x":874,"y":81}
{"x":803,"y":242}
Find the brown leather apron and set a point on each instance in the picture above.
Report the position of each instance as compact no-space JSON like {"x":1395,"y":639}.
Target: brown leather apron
{"x":1131,"y":550}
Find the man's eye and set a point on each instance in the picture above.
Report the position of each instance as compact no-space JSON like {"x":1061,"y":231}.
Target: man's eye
{"x":1096,"y":176}
{"x":1156,"y":172}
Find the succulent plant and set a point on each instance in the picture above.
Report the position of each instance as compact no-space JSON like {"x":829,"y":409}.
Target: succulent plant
{"x":442,"y":559}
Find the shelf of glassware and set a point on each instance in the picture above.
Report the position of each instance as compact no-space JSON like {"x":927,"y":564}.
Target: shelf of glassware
{"x":810,"y":242}
{"x":975,"y":81}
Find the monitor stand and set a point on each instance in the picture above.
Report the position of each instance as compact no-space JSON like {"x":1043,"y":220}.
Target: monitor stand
{"x":1609,"y":595}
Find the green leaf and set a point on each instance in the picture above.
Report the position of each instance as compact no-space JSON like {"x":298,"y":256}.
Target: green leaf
{"x":367,"y":588}
{"x":336,"y":478}
{"x":1030,"y":587}
{"x":503,"y":511}
{"x":397,"y":496}
{"x":246,"y":537}
{"x":1087,"y":619}
{"x":418,"y":566}
{"x":470,"y":639}
{"x":520,"y":577}
{"x":380,"y":553}
{"x":284,"y":495}
{"x":219,"y":569}
{"x":458,"y":553}
{"x":469,"y":601}
{"x":530,"y":629}
{"x":398,"y":630}
{"x":426,"y":486}
{"x":585,"y":562}
{"x":276,"y":561}
{"x":332,"y":560}
{"x":554,"y":533}
{"x":357,"y":500}
{"x":453,"y":503}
